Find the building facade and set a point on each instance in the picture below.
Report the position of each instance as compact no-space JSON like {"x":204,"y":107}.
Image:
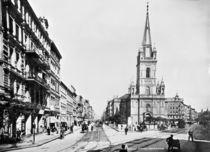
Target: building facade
{"x":52,"y":110}
{"x":175,"y":108}
{"x":148,"y":96}
{"x":146,"y":99}
{"x":24,"y":65}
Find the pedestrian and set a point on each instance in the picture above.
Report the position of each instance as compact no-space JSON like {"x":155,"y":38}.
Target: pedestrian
{"x":124,"y":148}
{"x":62,"y":132}
{"x":48,"y":130}
{"x":91,"y":127}
{"x":71,"y":128}
{"x":190,"y":135}
{"x":2,"y":135}
{"x":18,"y":134}
{"x":126,"y":130}
{"x":169,"y":141}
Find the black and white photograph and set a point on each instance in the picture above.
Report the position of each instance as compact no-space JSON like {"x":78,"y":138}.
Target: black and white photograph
{"x":104,"y":75}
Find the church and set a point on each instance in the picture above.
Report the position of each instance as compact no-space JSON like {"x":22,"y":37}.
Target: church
{"x":146,"y":98}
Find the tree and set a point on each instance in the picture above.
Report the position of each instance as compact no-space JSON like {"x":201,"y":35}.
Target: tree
{"x":204,"y":118}
{"x":181,"y":123}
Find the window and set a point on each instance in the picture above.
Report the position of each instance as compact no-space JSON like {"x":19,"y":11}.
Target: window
{"x":148,"y":108}
{"x":53,"y":84}
{"x":147,"y":90}
{"x":17,"y":32}
{"x":10,"y":25}
{"x":148,"y":73}
{"x":147,"y":53}
{"x":19,"y":5}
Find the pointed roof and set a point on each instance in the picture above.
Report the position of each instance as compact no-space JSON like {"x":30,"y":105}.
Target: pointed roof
{"x":147,"y":35}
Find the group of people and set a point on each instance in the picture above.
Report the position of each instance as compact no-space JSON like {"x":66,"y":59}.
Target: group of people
{"x":62,"y":130}
{"x":87,"y":127}
{"x":17,"y":136}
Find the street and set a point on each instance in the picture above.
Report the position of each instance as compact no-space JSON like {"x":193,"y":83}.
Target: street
{"x":106,"y":139}
{"x":76,"y":142}
{"x":56,"y":145}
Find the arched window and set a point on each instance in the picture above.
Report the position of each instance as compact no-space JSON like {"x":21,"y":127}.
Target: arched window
{"x":148,"y":73}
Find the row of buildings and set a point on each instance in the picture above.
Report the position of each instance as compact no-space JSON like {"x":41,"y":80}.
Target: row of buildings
{"x":31,"y":90}
{"x":146,"y":98}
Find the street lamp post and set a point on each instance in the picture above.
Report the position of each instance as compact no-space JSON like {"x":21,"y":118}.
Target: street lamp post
{"x":33,"y":127}
{"x":138,"y":107}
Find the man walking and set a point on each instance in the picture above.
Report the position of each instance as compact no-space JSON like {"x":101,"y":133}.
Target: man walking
{"x":126,"y":130}
{"x":190,"y":135}
{"x":71,"y":128}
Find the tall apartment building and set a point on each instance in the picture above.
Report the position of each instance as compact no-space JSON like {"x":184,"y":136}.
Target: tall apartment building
{"x":52,"y":110}
{"x":24,"y":64}
{"x":175,"y":108}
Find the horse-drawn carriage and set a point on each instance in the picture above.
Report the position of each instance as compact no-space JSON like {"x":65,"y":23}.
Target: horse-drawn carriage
{"x":173,"y":145}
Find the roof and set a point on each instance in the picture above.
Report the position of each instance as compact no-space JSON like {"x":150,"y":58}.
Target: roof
{"x":125,"y":96}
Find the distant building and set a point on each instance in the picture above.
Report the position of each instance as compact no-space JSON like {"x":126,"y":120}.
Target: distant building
{"x":175,"y":108}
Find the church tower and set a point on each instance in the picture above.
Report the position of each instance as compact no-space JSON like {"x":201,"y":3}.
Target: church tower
{"x":146,"y":63}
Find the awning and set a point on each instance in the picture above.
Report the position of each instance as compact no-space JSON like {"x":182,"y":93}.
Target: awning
{"x":53,"y":120}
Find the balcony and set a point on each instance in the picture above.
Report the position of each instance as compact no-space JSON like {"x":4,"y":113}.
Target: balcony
{"x":38,"y":58}
{"x":34,"y":36}
{"x":37,"y":80}
{"x":14,"y":70}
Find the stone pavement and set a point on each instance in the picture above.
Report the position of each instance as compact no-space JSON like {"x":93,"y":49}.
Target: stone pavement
{"x":40,"y":139}
{"x":118,"y":138}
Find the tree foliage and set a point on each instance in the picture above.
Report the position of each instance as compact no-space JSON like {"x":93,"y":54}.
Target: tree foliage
{"x":204,"y":118}
{"x":181,"y":123}
{"x":117,"y":118}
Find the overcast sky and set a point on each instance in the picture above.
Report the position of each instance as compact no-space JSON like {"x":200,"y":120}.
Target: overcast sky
{"x":99,"y":41}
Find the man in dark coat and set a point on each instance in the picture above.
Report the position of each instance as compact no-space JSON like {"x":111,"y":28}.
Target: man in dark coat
{"x":124,"y":149}
{"x":169,"y":140}
{"x":126,"y":130}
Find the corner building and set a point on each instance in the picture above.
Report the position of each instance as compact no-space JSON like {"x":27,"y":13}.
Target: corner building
{"x":24,"y":65}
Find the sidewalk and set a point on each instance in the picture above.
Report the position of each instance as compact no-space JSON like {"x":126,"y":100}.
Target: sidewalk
{"x":40,"y":139}
{"x":117,"y":138}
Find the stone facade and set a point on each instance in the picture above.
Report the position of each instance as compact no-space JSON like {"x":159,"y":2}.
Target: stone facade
{"x":146,"y":98}
{"x":29,"y":72}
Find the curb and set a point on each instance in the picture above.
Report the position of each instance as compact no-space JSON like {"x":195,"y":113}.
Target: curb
{"x":113,"y":128}
{"x":33,"y":145}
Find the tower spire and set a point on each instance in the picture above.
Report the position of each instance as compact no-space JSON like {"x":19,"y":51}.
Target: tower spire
{"x":147,"y":35}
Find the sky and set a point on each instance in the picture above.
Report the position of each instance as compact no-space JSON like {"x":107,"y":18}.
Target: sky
{"x":99,"y":42}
